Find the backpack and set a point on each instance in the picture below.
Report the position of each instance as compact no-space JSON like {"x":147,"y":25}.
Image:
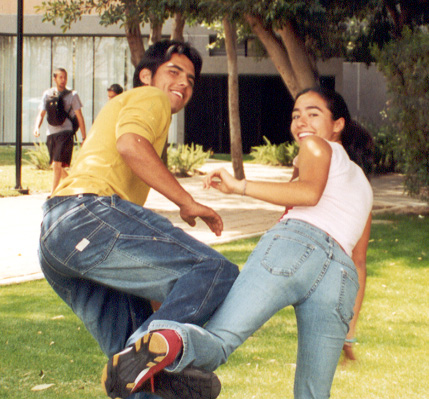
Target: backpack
{"x":56,"y":114}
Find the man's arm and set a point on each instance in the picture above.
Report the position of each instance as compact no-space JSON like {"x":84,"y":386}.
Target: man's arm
{"x":139,"y":154}
{"x":39,"y":121}
{"x":81,"y":121}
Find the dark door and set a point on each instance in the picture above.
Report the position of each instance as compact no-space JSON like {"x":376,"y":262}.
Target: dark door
{"x":265,"y":109}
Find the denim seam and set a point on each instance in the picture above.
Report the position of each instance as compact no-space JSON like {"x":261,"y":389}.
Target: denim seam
{"x":320,"y":238}
{"x":318,"y":280}
{"x":145,"y":264}
{"x":81,"y":207}
{"x":344,"y":277}
{"x":50,"y":204}
{"x":210,"y":290}
{"x":162,"y":235}
{"x":100,"y":227}
{"x":350,"y":265}
{"x":63,"y":216}
{"x":309,"y":249}
{"x":51,"y":282}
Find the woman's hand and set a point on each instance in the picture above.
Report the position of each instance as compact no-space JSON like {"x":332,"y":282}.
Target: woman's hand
{"x":348,"y":353}
{"x":223,"y":181}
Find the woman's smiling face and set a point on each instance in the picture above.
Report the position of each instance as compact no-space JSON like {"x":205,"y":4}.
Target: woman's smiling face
{"x":311,"y":116}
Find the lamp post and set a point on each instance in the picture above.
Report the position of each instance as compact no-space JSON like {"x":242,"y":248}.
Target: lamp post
{"x":19,"y":47}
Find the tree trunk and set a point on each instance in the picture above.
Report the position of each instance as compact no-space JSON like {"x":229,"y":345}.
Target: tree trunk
{"x":233,"y":100}
{"x":155,"y":34}
{"x":305,"y":73}
{"x":276,"y":51}
{"x":178,"y":26}
{"x":395,"y":15}
{"x":288,"y":56}
{"x":135,"y":42}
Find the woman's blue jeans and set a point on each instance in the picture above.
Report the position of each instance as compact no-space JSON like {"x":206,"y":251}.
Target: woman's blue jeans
{"x":106,"y":258}
{"x":295,"y":264}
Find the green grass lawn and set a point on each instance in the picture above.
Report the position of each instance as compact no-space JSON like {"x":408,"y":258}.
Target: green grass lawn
{"x":42,"y":342}
{"x":36,"y":180}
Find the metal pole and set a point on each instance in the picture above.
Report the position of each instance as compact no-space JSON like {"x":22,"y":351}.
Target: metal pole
{"x":19,"y":49}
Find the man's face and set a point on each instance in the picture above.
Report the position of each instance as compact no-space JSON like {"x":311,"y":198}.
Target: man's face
{"x":111,"y":94}
{"x":176,"y":78}
{"x":60,"y":80}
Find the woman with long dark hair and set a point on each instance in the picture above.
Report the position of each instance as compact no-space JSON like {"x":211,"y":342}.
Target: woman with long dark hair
{"x":305,"y":260}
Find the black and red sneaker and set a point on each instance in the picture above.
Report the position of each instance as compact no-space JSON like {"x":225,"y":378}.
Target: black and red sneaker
{"x":191,"y":383}
{"x":127,"y":371}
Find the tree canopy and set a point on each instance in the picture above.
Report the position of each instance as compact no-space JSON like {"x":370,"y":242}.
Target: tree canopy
{"x":294,"y":33}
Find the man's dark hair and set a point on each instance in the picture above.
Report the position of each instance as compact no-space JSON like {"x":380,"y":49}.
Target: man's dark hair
{"x":161,"y":52}
{"x":58,"y":70}
{"x":115,"y":87}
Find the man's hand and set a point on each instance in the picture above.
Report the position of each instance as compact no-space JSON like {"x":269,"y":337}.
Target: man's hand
{"x":190,"y":212}
{"x":139,"y":154}
{"x":38,"y":123}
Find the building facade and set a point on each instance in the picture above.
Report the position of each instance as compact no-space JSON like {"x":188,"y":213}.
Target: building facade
{"x":97,"y":56}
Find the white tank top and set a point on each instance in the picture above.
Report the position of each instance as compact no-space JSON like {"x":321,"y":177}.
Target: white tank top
{"x":345,"y":205}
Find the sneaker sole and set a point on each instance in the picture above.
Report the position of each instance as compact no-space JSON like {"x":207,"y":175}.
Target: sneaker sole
{"x":191,"y":383}
{"x":119,"y":378}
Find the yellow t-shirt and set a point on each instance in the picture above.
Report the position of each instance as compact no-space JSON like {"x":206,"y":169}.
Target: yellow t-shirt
{"x":99,"y":168}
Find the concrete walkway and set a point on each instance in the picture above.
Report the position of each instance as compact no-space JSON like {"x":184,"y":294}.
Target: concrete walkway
{"x":20,"y":217}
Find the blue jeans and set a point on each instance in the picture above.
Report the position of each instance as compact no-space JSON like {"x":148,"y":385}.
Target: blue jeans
{"x":295,"y":264}
{"x":107,"y":258}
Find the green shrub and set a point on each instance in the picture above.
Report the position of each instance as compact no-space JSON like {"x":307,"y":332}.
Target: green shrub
{"x":184,"y":160}
{"x":386,"y":157}
{"x":404,"y":63}
{"x":274,"y":154}
{"x":39,"y":156}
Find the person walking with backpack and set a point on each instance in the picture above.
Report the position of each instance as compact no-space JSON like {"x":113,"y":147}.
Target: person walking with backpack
{"x":64,"y":116}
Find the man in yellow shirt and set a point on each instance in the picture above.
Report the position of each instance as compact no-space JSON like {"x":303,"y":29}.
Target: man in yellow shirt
{"x":105,"y":254}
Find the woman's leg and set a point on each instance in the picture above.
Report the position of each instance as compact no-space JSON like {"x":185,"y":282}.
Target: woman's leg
{"x":322,"y":321}
{"x":294,"y":264}
{"x":285,"y":268}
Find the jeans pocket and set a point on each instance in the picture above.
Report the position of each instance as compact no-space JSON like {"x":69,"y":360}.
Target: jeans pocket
{"x":348,"y":292}
{"x":79,"y":240}
{"x":285,"y":255}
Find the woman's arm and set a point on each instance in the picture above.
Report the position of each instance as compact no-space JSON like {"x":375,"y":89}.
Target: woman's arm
{"x":359,"y":259}
{"x":314,"y":162}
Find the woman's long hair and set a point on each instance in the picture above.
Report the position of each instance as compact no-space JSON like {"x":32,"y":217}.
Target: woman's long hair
{"x":356,"y":140}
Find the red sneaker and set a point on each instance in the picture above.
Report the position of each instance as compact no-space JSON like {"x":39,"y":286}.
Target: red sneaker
{"x":127,"y":371}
